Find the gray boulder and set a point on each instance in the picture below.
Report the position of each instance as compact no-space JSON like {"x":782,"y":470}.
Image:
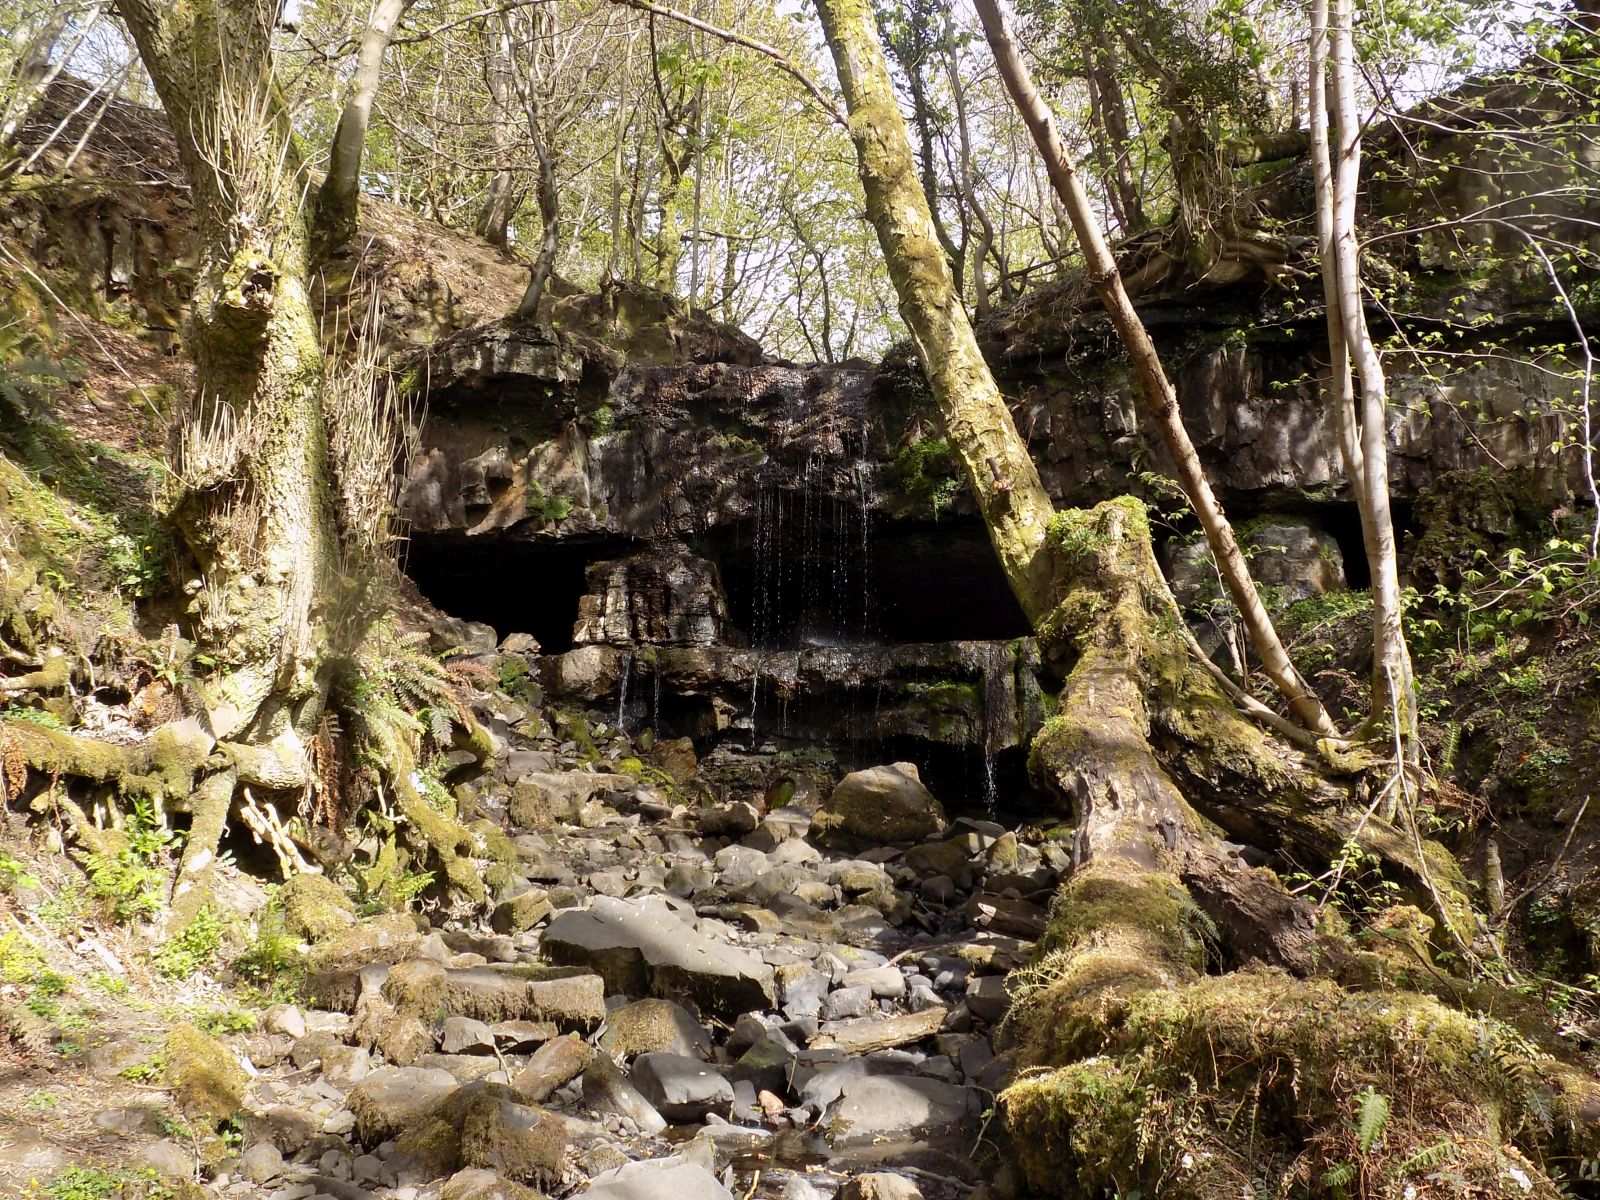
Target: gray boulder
{"x":654,"y":1179}
{"x":641,"y":947}
{"x":881,"y":804}
{"x":882,"y":1108}
{"x":681,"y":1088}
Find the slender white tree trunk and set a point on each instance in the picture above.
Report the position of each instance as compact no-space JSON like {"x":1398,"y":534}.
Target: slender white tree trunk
{"x":1160,"y":397}
{"x":1393,"y":687}
{"x":339,"y":196}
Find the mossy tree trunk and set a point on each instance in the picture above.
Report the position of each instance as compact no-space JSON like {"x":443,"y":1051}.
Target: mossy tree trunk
{"x":252,"y":461}
{"x":1002,"y":476}
{"x":1190,"y":1027}
{"x":338,"y":199}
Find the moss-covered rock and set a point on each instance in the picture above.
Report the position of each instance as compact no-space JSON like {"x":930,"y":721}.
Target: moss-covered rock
{"x":206,"y":1079}
{"x":653,"y":1025}
{"x":483,"y":1125}
{"x":881,"y":804}
{"x":315,"y":908}
{"x":522,"y":911}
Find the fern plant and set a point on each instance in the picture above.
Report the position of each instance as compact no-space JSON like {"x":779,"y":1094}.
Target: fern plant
{"x":1372,"y":1118}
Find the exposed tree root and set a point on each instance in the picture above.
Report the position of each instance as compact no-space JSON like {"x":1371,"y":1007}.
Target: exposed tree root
{"x":1305,"y":1070}
{"x":191,"y":889}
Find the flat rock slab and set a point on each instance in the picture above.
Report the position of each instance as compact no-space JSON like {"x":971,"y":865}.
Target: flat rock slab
{"x":643,"y":948}
{"x":878,"y":1108}
{"x":681,"y":1088}
{"x":567,"y":998}
{"x":858,"y":1037}
{"x":655,"y":1179}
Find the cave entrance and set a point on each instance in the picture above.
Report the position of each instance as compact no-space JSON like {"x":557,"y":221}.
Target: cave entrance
{"x":517,"y":585}
{"x":798,"y":576}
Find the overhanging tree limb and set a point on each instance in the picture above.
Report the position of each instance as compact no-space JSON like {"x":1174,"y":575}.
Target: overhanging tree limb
{"x":783,"y":61}
{"x":1160,"y":397}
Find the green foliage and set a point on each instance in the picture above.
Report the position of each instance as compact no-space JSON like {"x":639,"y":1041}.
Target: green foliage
{"x":1372,"y":1118}
{"x":33,"y":716}
{"x":220,"y":1021}
{"x":145,"y":1072}
{"x":193,"y":948}
{"x":14,"y":876}
{"x":106,"y":1183}
{"x":111,"y":985}
{"x":84,"y":509}
{"x":1501,"y":595}
{"x":928,"y":475}
{"x":272,"y":962}
{"x":132,"y":882}
{"x":20,"y":960}
{"x":544,"y":507}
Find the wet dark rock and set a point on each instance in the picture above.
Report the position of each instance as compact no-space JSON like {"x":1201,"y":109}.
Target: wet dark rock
{"x":665,"y":596}
{"x":679,"y":1087}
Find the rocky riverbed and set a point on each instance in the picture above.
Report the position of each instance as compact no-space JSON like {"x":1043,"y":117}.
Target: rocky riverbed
{"x":679,"y":991}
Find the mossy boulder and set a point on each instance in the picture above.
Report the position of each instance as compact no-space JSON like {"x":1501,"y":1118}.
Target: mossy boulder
{"x":571,"y":998}
{"x":315,"y":908}
{"x":483,"y":1125}
{"x":881,"y":804}
{"x":653,"y":1025}
{"x":522,"y":911}
{"x":480,"y":1183}
{"x":333,"y":968}
{"x":206,"y":1079}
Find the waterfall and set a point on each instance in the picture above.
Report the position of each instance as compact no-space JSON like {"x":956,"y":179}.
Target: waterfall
{"x":622,"y":691}
{"x":999,"y":710}
{"x":755,"y":691}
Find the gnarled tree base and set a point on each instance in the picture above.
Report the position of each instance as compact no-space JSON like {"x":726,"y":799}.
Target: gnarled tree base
{"x":1303,"y":1070}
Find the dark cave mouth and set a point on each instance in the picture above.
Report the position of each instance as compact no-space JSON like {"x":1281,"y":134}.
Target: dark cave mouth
{"x":806,"y":583}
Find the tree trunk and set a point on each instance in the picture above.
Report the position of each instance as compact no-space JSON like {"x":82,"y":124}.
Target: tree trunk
{"x":1137,"y":1068}
{"x":1160,"y":398}
{"x":500,"y":205}
{"x":1004,"y":481}
{"x":1393,"y":688}
{"x":338,"y":200}
{"x":252,"y":463}
{"x":1113,"y":112}
{"x":669,"y":234}
{"x":525,"y":54}
{"x":969,"y":183}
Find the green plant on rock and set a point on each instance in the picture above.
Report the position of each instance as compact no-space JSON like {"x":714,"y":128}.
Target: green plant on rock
{"x":132,"y":880}
{"x":272,"y":961}
{"x":545,"y":508}
{"x":928,"y":473}
{"x":193,"y":948}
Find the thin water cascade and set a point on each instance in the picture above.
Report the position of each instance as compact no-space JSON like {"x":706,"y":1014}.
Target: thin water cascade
{"x":999,"y":703}
{"x":622,"y":690}
{"x":755,"y":692}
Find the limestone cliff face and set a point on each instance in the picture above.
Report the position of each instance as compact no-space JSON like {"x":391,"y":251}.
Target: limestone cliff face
{"x":764,"y":556}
